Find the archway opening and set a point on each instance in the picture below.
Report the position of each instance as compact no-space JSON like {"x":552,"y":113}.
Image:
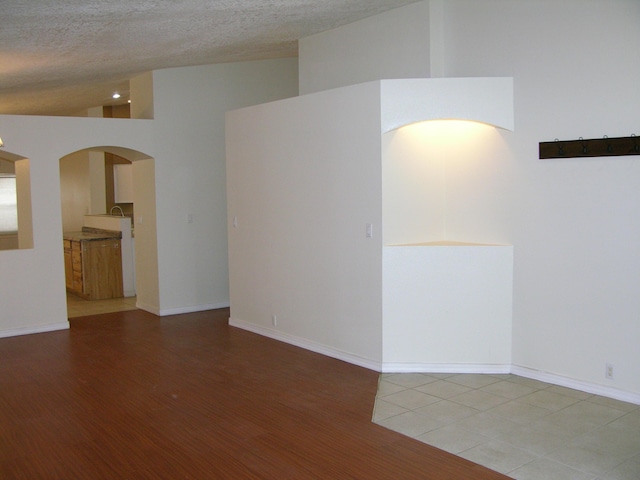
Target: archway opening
{"x":95,"y":195}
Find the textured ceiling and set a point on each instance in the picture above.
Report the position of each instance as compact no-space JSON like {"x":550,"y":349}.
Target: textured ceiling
{"x":58,"y":57}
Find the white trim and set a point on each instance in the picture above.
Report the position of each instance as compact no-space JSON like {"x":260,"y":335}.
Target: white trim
{"x":176,"y":311}
{"x":388,"y":367}
{"x":193,"y":308}
{"x":306,"y":344}
{"x":446,"y":368}
{"x":588,"y":387}
{"x":148,"y":308}
{"x":39,"y":329}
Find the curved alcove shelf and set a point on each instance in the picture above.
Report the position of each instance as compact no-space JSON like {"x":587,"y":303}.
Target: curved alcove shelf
{"x":487,"y":100}
{"x":447,"y":243}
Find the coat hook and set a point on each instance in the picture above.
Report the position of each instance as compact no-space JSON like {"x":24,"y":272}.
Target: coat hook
{"x":609,"y":146}
{"x":591,"y":147}
{"x":585,"y":150}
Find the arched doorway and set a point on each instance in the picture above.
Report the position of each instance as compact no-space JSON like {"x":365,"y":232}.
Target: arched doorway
{"x":88,"y":188}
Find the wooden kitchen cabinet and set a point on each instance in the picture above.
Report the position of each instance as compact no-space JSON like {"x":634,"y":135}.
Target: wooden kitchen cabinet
{"x":68,"y":265}
{"x":93,"y":268}
{"x":102,"y":269}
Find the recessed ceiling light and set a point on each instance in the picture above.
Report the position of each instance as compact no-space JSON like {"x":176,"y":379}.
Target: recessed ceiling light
{"x":116,"y":95}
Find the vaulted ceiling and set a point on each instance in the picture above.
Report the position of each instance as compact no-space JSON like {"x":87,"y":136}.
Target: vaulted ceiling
{"x":59,"y":57}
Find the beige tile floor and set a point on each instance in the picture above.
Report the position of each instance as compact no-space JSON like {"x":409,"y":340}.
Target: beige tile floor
{"x":524,"y":428}
{"x":79,"y":307}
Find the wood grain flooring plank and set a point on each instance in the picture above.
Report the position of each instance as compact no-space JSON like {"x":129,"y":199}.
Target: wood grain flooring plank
{"x":130,"y":395}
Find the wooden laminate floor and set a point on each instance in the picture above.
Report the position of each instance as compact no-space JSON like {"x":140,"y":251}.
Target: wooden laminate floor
{"x":129,"y":395}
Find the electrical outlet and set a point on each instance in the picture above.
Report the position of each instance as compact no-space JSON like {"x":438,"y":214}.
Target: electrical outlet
{"x":369,"y":230}
{"x":608,"y":372}
{"x":274,"y":320}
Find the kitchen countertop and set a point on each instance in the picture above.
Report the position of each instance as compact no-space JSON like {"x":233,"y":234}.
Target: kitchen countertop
{"x":91,"y":235}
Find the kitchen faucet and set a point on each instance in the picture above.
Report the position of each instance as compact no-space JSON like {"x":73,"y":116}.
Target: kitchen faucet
{"x":119,"y":208}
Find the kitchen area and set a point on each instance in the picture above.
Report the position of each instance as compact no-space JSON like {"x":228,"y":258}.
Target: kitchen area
{"x":99,"y":248}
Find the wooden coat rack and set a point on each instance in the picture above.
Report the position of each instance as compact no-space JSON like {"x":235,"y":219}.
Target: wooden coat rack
{"x":594,"y":147}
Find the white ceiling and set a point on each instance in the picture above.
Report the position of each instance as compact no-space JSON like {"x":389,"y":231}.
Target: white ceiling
{"x":58,"y":57}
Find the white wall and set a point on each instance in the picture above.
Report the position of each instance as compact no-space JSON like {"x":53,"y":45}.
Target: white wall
{"x":141,"y":94}
{"x":303,"y":181}
{"x":97,"y":179}
{"x":146,"y":242}
{"x":389,"y":45}
{"x":300,"y":171}
{"x":187,"y":143}
{"x":413,"y":188}
{"x":189,"y":108}
{"x":447,"y":307}
{"x":75,"y":190}
{"x":83,"y":189}
{"x":33,"y":293}
{"x":575,"y":224}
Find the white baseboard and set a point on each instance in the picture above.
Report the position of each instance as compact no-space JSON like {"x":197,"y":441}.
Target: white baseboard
{"x":193,"y":308}
{"x":589,"y":387}
{"x":51,"y":327}
{"x":148,"y":308}
{"x":178,"y":310}
{"x":391,"y":367}
{"x":306,"y":344}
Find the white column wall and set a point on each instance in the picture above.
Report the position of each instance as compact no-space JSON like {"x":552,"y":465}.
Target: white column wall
{"x":304,"y":179}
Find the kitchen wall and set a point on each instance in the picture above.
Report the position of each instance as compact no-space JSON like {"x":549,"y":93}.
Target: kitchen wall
{"x":75,"y":190}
